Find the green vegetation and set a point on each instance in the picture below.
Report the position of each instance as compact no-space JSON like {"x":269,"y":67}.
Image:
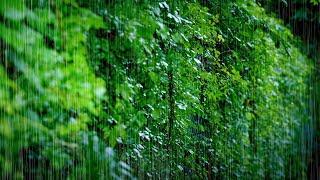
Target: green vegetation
{"x":133,"y":89}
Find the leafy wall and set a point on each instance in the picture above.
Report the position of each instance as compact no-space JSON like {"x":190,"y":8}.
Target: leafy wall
{"x":208,"y":89}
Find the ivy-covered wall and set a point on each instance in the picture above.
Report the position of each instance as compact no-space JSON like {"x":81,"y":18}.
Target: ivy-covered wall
{"x":134,"y":89}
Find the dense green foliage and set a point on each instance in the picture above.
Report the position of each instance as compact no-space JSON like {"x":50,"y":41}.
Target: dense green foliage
{"x":191,"y":89}
{"x":303,"y":17}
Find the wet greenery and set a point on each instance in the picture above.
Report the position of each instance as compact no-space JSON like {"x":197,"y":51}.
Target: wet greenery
{"x":127,"y":89}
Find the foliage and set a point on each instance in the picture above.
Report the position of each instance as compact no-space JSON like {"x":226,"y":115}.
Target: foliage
{"x":297,"y":14}
{"x":170,"y":89}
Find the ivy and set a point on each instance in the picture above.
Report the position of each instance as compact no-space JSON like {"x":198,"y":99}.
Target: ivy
{"x":138,"y":89}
